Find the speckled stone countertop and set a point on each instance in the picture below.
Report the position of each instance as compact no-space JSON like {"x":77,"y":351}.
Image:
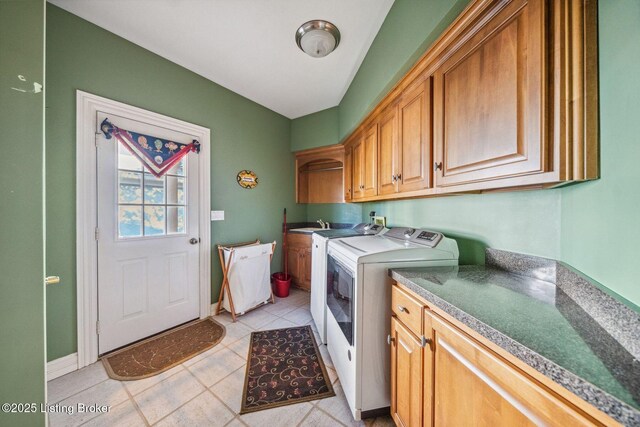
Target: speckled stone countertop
{"x":539,"y":323}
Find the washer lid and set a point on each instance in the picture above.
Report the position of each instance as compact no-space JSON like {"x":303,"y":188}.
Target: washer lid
{"x":366,"y":245}
{"x":336,"y":233}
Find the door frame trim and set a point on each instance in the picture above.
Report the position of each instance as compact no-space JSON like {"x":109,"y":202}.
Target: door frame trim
{"x":87,"y":105}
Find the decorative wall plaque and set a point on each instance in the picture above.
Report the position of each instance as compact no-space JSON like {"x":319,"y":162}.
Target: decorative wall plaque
{"x":247,"y":179}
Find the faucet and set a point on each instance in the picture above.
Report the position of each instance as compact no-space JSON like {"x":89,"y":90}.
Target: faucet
{"x":322,"y":223}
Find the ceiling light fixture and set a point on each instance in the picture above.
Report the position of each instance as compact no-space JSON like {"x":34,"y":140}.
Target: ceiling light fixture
{"x":317,"y":38}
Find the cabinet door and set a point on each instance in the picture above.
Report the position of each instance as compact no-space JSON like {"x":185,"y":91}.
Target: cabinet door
{"x":428,"y":366}
{"x":348,"y":170}
{"x":305,"y":268}
{"x":415,"y":138}
{"x":370,"y":177}
{"x":406,"y":376}
{"x":488,"y":100}
{"x":474,"y":386}
{"x":358,"y":169}
{"x":388,"y":152}
{"x":293,"y":259}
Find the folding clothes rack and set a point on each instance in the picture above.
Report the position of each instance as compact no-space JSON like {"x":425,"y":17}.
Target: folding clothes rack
{"x":225,"y":276}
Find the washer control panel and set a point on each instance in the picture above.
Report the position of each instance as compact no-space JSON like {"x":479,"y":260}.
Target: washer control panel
{"x":417,"y":236}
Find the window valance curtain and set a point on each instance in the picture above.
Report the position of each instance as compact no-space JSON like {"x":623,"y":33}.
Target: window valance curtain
{"x":156,"y":154}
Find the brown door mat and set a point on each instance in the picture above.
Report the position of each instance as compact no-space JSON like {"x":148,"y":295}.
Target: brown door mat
{"x":284,"y":367}
{"x":159,"y":353}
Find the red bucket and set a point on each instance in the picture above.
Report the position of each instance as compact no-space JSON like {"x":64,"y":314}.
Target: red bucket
{"x":281,"y":284}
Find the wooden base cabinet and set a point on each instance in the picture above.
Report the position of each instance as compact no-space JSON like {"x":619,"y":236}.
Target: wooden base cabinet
{"x":448,"y":377}
{"x":299,"y":259}
{"x":406,"y":376}
{"x":475,"y":387}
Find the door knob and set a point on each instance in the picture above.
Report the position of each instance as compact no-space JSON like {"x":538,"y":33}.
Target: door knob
{"x":194,"y":241}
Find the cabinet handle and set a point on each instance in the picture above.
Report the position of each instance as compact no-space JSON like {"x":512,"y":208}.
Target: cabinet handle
{"x":424,"y":341}
{"x":403,"y":309}
{"x":399,"y":177}
{"x":389,"y":339}
{"x":393,"y":178}
{"x":437,"y":165}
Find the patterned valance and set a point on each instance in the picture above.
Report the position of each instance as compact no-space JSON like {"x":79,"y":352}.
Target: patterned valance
{"x":156,"y":154}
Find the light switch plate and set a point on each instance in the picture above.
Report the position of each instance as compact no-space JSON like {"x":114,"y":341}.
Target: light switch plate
{"x":217,"y":215}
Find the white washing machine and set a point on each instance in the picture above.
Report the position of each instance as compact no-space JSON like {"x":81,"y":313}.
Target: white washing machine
{"x":359,"y":307}
{"x":319,"y":269}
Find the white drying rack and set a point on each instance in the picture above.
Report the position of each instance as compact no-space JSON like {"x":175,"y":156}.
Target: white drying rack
{"x":226,"y":286}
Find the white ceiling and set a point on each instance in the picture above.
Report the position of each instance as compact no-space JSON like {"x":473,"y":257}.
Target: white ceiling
{"x":248,"y":46}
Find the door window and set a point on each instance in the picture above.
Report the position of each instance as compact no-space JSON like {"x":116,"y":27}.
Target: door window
{"x":148,"y":205}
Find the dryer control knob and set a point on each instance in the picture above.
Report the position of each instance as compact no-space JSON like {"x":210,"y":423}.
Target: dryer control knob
{"x":409,"y":232}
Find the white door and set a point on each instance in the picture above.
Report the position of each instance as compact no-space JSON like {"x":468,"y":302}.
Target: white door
{"x":147,"y":234}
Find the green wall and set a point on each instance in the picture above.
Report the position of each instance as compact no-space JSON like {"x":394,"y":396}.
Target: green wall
{"x":526,"y":222}
{"x":610,"y":207}
{"x":22,"y":334}
{"x":410,"y":27}
{"x":244,"y":135}
{"x":315,"y":130}
{"x":350,"y":213}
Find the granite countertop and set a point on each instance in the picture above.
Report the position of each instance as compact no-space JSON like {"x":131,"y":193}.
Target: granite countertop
{"x":536,"y":321}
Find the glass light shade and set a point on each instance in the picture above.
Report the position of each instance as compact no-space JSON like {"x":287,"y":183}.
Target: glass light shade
{"x":317,"y":43}
{"x":318,"y":38}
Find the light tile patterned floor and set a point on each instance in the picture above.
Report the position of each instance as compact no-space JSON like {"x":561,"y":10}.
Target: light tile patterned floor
{"x":205,"y":390}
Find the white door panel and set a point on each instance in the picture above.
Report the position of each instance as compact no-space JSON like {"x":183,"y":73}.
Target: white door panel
{"x":147,"y":267}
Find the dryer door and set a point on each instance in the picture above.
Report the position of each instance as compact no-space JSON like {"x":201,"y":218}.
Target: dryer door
{"x":340,"y":295}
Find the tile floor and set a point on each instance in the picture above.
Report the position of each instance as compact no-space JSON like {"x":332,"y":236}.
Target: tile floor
{"x":205,"y":390}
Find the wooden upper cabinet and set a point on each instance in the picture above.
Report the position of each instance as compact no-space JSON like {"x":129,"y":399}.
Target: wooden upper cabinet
{"x":370,"y":179}
{"x":365,"y":164}
{"x":320,"y":175}
{"x":507,"y":97}
{"x":358,"y":168}
{"x":488,"y":98}
{"x":388,"y":152}
{"x":414,"y":157}
{"x":348,"y":169}
{"x":404,"y":146}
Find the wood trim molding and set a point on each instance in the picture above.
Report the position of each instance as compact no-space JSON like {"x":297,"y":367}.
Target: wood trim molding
{"x":87,"y":106}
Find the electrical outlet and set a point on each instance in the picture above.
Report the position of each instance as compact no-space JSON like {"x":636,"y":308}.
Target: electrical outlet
{"x":217,"y":215}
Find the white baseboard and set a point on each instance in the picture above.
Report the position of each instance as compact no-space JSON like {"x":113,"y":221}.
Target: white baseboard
{"x":64,"y":365}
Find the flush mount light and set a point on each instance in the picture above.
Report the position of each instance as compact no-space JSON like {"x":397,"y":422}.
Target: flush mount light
{"x":317,"y":38}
